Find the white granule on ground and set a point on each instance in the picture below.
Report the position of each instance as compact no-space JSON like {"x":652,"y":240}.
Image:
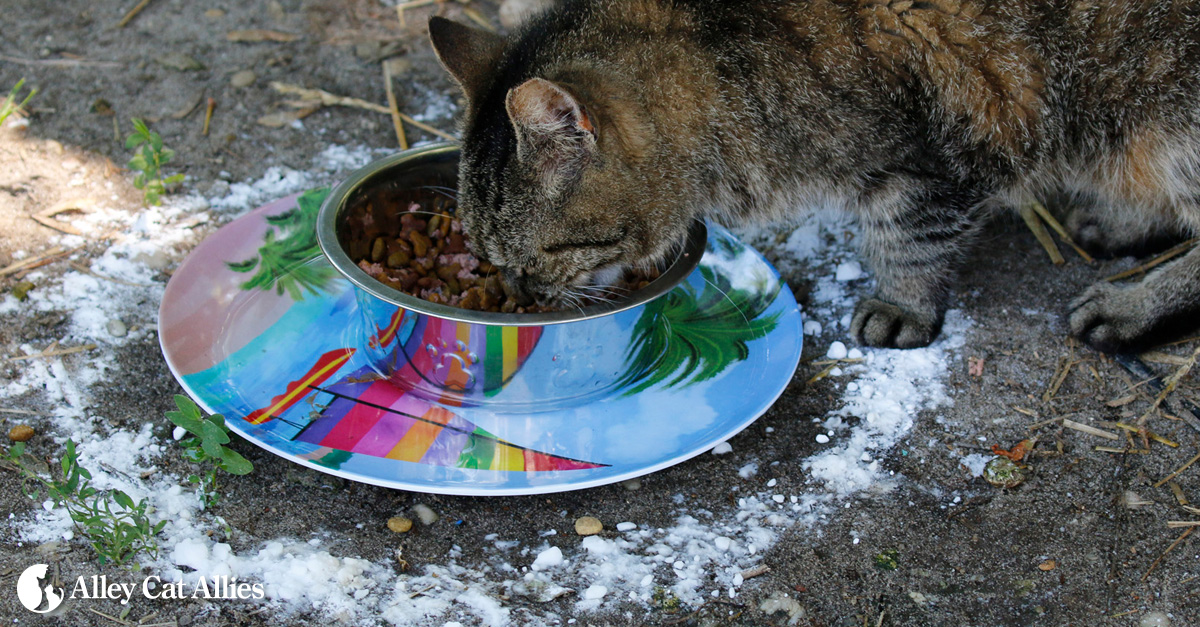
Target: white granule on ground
{"x":699,"y":556}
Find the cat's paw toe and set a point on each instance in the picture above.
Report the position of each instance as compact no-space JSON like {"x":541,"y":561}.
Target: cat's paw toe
{"x":882,"y":324}
{"x":1101,"y":318}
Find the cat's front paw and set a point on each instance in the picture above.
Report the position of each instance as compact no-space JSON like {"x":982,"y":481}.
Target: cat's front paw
{"x":1109,"y":318}
{"x":882,"y":324}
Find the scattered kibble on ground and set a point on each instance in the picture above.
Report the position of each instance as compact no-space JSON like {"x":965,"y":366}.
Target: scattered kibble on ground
{"x":20,"y":433}
{"x":399,"y":524}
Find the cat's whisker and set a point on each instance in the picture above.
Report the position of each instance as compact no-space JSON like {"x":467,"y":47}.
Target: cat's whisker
{"x":448,"y":192}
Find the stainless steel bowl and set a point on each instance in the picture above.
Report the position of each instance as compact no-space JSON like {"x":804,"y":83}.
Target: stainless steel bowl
{"x":460,"y":357}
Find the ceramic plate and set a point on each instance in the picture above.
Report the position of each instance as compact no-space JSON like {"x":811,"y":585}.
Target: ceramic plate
{"x":257,"y":326}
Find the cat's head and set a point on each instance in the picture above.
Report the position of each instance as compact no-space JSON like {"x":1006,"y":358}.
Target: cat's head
{"x":556,"y":184}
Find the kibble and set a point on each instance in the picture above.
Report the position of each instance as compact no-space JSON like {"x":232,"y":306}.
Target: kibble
{"x":20,"y":433}
{"x":399,"y":524}
{"x":424,"y":253}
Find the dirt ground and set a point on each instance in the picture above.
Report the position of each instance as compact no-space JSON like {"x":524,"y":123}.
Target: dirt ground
{"x":1081,"y":542}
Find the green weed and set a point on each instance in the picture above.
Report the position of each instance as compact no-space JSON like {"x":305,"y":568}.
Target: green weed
{"x":117,"y":528}
{"x":8,"y":106}
{"x":148,"y":162}
{"x":209,"y":435}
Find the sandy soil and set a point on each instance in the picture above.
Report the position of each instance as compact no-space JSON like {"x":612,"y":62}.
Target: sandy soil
{"x":1064,"y":548}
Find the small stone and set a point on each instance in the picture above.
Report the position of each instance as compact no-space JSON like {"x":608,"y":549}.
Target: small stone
{"x":426,"y":515}
{"x":399,"y":524}
{"x":632,"y":484}
{"x":837,"y":350}
{"x":116,"y":328}
{"x":1003,"y":472}
{"x":781,"y":602}
{"x":626,"y":526}
{"x":1155,"y":619}
{"x":588,"y":526}
{"x":245,"y":78}
{"x":1048,"y":565}
{"x":157,"y":260}
{"x":722,"y":449}
{"x":20,"y":433}
{"x":595,"y":592}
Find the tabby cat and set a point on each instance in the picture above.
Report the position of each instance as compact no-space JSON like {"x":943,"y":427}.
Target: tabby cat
{"x":600,"y":130}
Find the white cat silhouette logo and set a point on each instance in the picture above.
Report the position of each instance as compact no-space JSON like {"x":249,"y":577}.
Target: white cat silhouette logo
{"x":30,"y":590}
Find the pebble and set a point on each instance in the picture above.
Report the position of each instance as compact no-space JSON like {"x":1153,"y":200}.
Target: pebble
{"x":399,"y":524}
{"x":812,"y":327}
{"x":781,"y":602}
{"x":837,"y":350}
{"x":245,"y":78}
{"x":722,"y":449}
{"x":822,"y":438}
{"x":116,"y":328}
{"x":588,"y":526}
{"x":595,"y":592}
{"x":1155,"y":619}
{"x":632,"y":484}
{"x":626,"y":526}
{"x":426,"y":515}
{"x":20,"y":433}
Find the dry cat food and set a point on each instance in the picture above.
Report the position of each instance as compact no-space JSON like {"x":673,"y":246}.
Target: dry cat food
{"x":423,"y":252}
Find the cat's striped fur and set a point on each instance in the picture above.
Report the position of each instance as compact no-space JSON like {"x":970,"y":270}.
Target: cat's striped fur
{"x":601,"y":129}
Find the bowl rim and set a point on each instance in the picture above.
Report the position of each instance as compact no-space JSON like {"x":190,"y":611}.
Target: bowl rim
{"x":335,"y":203}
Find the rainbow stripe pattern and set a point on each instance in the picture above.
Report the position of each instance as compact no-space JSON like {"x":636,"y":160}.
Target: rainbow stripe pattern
{"x":374,"y":417}
{"x":453,"y":363}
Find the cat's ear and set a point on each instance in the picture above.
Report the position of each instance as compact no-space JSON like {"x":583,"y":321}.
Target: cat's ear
{"x":555,"y":133}
{"x":469,"y":54}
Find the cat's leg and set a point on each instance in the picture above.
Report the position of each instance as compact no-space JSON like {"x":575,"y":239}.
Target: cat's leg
{"x":914,"y":238}
{"x":1105,"y":229}
{"x":1164,"y":306}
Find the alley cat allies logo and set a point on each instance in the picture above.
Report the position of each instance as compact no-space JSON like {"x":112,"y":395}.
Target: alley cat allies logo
{"x":36,"y":593}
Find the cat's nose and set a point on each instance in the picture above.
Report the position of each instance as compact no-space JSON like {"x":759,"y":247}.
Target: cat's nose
{"x":518,"y":288}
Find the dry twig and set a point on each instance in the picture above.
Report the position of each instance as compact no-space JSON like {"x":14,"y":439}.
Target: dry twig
{"x":393,"y":107}
{"x":1079,"y":426}
{"x":1174,"y":544}
{"x":1178,"y":471}
{"x":1163,"y":258}
{"x":132,"y":13}
{"x":34,"y":262}
{"x":1058,"y":228}
{"x":54,"y":353}
{"x":325,"y":98}
{"x":1039,"y":231}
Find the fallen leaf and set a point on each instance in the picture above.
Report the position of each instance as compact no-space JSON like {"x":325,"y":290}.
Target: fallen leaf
{"x":1016,"y":453}
{"x":260,"y":34}
{"x":179,"y":61}
{"x":1048,"y":565}
{"x":280,"y":119}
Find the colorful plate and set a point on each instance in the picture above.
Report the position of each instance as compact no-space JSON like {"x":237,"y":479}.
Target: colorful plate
{"x":257,"y":326}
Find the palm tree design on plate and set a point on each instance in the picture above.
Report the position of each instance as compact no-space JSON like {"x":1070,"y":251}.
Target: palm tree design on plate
{"x":685,"y":337}
{"x":285,"y":262}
